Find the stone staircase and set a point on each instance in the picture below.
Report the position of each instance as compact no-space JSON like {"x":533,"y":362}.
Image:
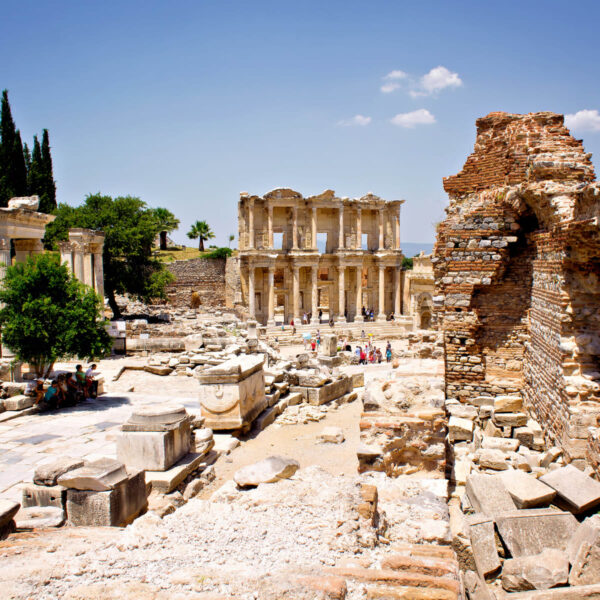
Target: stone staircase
{"x":353,"y":331}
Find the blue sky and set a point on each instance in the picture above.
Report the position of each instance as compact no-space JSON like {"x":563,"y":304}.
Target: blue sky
{"x":186,"y":104}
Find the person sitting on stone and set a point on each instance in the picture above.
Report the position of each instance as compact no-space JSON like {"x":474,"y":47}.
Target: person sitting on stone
{"x":38,"y":391}
{"x":91,"y":381}
{"x":51,"y":397}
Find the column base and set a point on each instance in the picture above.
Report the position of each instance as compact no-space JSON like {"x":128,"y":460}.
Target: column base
{"x":340,"y":319}
{"x":271,"y":323}
{"x":314,"y":321}
{"x":381,"y":317}
{"x":359,"y":319}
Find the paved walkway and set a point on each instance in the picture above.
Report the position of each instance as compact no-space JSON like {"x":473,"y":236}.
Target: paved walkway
{"x":85,"y":431}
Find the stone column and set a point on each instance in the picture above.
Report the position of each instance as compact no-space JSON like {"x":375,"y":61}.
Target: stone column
{"x":5,"y":260}
{"x":359,"y":316}
{"x":397,"y":227}
{"x":341,"y":294}
{"x":251,"y":297}
{"x":37,"y":247}
{"x":314,"y":273}
{"x":341,"y":226}
{"x":381,"y":313}
{"x":251,"y":225}
{"x":78,"y":262}
{"x":380,"y":229}
{"x":358,"y":228}
{"x":66,"y":254}
{"x":294,"y":228}
{"x":271,"y":307}
{"x":88,"y":268}
{"x":99,"y":273}
{"x":296,"y":293}
{"x":270,"y":226}
{"x":397,"y":291}
{"x":313,"y":228}
{"x":22,"y":250}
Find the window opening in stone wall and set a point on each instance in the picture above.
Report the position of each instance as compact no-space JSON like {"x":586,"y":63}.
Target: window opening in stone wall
{"x":323,"y":274}
{"x":364,"y":241}
{"x":322,"y":242}
{"x":257,"y":297}
{"x":278,"y":240}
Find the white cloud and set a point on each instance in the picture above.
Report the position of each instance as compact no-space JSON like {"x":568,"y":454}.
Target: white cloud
{"x":410,"y":120}
{"x":391,"y":81}
{"x":436,"y":80}
{"x":583,"y":120}
{"x":359,"y":120}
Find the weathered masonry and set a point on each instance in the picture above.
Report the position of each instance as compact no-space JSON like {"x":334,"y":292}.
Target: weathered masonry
{"x":418,"y":289}
{"x":517,"y":267}
{"x":301,"y":255}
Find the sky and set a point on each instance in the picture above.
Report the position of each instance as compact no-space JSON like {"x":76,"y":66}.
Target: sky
{"x":185,"y":104}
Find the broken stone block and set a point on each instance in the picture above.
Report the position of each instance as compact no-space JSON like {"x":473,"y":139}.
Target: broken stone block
{"x":530,"y":531}
{"x":329,"y":345}
{"x":358,"y":379}
{"x":483,"y":543}
{"x":524,"y":435}
{"x":166,"y":481}
{"x":578,"y":490}
{"x":464,"y":411}
{"x":48,"y":474}
{"x":332,"y":435}
{"x":193,"y":488}
{"x":43,"y":495}
{"x":543,"y":571}
{"x":460,"y":429}
{"x":509,"y":419}
{"x":40,"y":517}
{"x":550,"y":456}
{"x":583,"y":551}
{"x":488,"y":495}
{"x":508,"y":404}
{"x":269,"y":470}
{"x":117,"y":506}
{"x":232,"y":394}
{"x":18,"y":402}
{"x":526,"y":490}
{"x":99,"y":475}
{"x":493,"y":459}
{"x":496,"y":443}
{"x":328,"y":392}
{"x":145,"y":442}
{"x":8,"y":509}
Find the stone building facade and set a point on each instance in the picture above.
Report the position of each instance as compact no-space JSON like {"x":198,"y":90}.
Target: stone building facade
{"x":517,"y":268}
{"x":83,"y":255}
{"x":301,"y":255}
{"x":418,"y":291}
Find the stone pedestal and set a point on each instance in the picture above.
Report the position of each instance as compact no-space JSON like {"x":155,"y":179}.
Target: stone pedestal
{"x":232,"y":394}
{"x":154,"y":438}
{"x":329,"y":345}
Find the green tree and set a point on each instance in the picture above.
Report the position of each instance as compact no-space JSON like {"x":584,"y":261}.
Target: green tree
{"x":47,"y":315}
{"x":166,"y":222}
{"x":201,"y":231}
{"x":13,"y":172}
{"x":47,"y":189}
{"x":407,"y":263}
{"x":231,"y":238}
{"x":130,"y":228}
{"x":35,"y":173}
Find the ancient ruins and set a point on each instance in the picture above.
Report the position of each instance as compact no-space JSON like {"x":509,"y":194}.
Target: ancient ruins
{"x":358,"y":265}
{"x":229,"y":458}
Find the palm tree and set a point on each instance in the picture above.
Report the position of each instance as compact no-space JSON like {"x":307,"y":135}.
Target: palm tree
{"x":202,"y":231}
{"x":231,"y":238}
{"x":166,"y":222}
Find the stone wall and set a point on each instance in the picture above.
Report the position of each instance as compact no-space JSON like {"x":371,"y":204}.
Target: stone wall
{"x":206,"y":276}
{"x":517,"y":262}
{"x":233,"y":285}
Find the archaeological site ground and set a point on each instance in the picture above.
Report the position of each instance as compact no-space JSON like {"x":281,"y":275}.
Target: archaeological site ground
{"x":314,"y":417}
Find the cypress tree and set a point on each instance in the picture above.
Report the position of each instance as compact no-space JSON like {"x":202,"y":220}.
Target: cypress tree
{"x":48,"y":186}
{"x":27,"y":156}
{"x":35,"y":176}
{"x":19,"y":168}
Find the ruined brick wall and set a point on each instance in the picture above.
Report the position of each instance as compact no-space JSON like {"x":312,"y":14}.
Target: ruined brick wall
{"x":206,"y":276}
{"x":233,"y":283}
{"x":516,"y":295}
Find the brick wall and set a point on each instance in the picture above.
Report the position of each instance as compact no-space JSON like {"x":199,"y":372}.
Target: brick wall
{"x":206,"y":276}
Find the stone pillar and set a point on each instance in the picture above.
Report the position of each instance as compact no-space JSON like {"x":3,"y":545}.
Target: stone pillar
{"x":78,"y":262}
{"x":251,"y":296}
{"x":66,"y":254}
{"x":341,"y":294}
{"x":22,"y":250}
{"x":397,"y":228}
{"x":5,"y":260}
{"x":271,"y":307}
{"x":341,"y":226}
{"x":397,"y":291}
{"x":380,"y":229}
{"x":296,"y":293}
{"x":294,"y":228}
{"x":251,"y":224}
{"x":270,"y":226}
{"x":88,"y":268}
{"x":37,"y":247}
{"x":313,"y":228}
{"x":381,"y":308}
{"x":359,"y":316}
{"x":358,"y":228}
{"x":99,"y":274}
{"x":314,"y":274}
